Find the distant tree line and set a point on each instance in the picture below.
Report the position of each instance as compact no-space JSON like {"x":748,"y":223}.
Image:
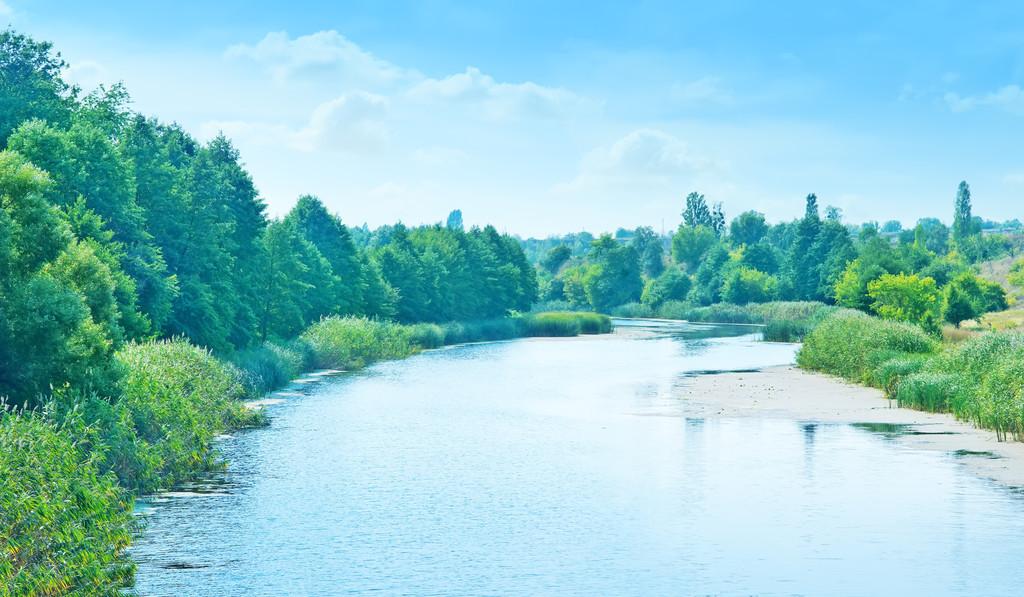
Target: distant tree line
{"x":924,"y":274}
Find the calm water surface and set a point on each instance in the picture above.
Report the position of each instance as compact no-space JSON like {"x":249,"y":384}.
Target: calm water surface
{"x":566,"y":467}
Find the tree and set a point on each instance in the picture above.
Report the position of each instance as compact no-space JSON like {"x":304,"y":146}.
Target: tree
{"x":310,"y":218}
{"x":745,"y":285}
{"x":904,"y":297}
{"x":647,"y":245}
{"x":30,"y":83}
{"x":613,"y":278}
{"x":802,"y":260}
{"x":957,"y":306}
{"x":690,"y":243}
{"x":556,"y":258}
{"x":962,"y":221}
{"x":671,"y":285}
{"x":696,"y":212}
{"x":933,"y":235}
{"x":455,"y":220}
{"x":748,"y":228}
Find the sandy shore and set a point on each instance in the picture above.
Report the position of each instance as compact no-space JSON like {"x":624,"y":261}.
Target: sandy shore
{"x":787,"y":392}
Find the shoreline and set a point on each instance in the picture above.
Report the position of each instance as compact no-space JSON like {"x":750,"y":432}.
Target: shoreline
{"x":790,"y":393}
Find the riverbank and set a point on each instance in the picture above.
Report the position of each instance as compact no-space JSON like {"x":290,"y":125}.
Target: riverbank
{"x":790,"y":393}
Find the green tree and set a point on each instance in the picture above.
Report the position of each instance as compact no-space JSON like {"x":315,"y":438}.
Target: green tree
{"x":647,"y":245}
{"x":802,"y":262}
{"x":30,"y":83}
{"x":744,"y":285}
{"x":455,"y":220}
{"x":555,"y":258}
{"x":962,"y":220}
{"x":748,"y":228}
{"x":613,"y":277}
{"x":671,"y":285}
{"x":691,"y":243}
{"x":904,"y":297}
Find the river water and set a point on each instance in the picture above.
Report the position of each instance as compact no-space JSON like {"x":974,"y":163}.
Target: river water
{"x":567,"y":467}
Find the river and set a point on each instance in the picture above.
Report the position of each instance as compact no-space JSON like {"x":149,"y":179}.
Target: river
{"x":568,"y":467}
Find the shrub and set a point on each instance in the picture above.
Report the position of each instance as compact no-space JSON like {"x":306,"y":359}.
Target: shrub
{"x":427,"y":335}
{"x":567,"y":324}
{"x":272,"y":365}
{"x":354,"y":342}
{"x":786,"y":330}
{"x":850,"y":343}
{"x":1001,"y":398}
{"x":64,"y":527}
{"x":926,"y":391}
{"x":891,"y":372}
{"x":178,"y":397}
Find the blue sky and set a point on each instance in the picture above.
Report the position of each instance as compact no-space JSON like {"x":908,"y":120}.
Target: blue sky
{"x":549,"y":117}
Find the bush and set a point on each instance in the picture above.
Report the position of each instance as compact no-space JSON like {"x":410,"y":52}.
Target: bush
{"x":567,"y":324}
{"x":786,"y":330}
{"x":177,"y":398}
{"x":891,"y":372}
{"x":64,"y":527}
{"x":926,"y":391}
{"x":1001,"y":398}
{"x":850,"y":344}
{"x":483,"y":330}
{"x":272,"y":365}
{"x":427,"y":335}
{"x":354,"y":342}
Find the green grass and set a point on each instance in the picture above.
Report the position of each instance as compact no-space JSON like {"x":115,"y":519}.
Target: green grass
{"x":571,"y":323}
{"x":64,"y":526}
{"x":979,"y":379}
{"x":851,"y":344}
{"x":354,"y":342}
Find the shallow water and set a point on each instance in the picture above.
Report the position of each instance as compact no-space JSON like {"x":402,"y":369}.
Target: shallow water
{"x":565,"y":466}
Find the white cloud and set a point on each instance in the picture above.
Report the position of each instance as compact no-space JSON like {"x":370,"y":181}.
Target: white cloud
{"x":324,"y":52}
{"x":355,"y":122}
{"x":495,"y":99}
{"x":1009,"y":98}
{"x":642,"y":158}
{"x":703,"y":91}
{"x":5,"y":9}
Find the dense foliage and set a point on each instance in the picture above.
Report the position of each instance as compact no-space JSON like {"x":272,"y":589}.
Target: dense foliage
{"x":980,"y":380}
{"x":924,"y":276}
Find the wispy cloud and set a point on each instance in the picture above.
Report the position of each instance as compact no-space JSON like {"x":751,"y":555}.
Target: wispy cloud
{"x":642,"y":159}
{"x":354,"y":122}
{"x":1009,"y":98}
{"x":495,"y":99}
{"x":5,"y":9}
{"x":325,"y":53}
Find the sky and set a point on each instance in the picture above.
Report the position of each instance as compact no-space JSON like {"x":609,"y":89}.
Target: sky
{"x":551,"y":117}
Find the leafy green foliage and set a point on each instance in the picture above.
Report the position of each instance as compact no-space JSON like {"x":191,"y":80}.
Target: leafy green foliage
{"x":850,"y":343}
{"x":64,"y":526}
{"x":903,"y":297}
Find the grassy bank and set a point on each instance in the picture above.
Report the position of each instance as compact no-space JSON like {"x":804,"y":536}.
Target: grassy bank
{"x":69,"y":472}
{"x":351,"y":343}
{"x":980,"y":380}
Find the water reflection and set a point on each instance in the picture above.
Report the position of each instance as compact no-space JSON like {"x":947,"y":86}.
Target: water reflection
{"x":566,"y":466}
